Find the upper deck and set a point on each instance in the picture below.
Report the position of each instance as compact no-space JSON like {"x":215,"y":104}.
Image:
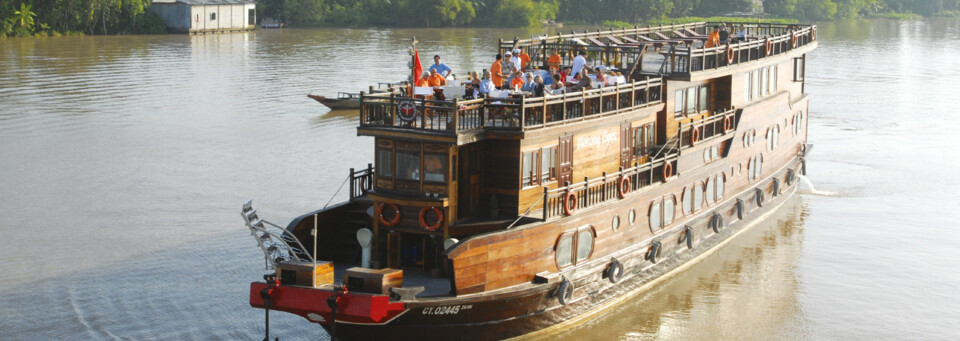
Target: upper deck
{"x":647,"y":56}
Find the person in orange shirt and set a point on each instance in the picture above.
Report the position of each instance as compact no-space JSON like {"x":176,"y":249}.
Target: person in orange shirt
{"x":436,"y":79}
{"x":517,"y":81}
{"x":554,"y":61}
{"x":496,"y":73}
{"x":424,"y":80}
{"x":714,"y":38}
{"x":524,"y":58}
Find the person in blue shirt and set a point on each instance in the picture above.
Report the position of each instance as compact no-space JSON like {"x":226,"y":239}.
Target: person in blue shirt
{"x":486,"y":85}
{"x":441,"y":68}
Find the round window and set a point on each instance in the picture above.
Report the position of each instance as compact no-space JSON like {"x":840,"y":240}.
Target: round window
{"x":615,"y":223}
{"x":632,"y":216}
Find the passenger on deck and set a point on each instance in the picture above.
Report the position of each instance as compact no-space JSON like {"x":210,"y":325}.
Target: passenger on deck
{"x":557,"y":85}
{"x":538,"y":86}
{"x":436,"y":79}
{"x":524,"y":59}
{"x":741,"y":34}
{"x":724,"y":35}
{"x":601,"y":79}
{"x":578,"y":63}
{"x":508,"y":65}
{"x":517,"y":62}
{"x":583,"y":81}
{"x":496,"y":72}
{"x":528,"y":83}
{"x":441,"y":68}
{"x":565,"y":75}
{"x":549,"y":79}
{"x":554,"y":61}
{"x":517,"y":81}
{"x":486,"y":85}
{"x":424,"y":80}
{"x":714,"y":38}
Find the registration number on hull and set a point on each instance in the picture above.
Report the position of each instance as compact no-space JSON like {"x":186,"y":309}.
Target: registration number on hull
{"x":447,"y":310}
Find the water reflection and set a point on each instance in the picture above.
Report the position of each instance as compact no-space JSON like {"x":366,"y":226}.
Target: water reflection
{"x":747,"y":290}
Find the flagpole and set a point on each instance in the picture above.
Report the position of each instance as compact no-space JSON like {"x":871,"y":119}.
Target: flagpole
{"x":315,"y":242}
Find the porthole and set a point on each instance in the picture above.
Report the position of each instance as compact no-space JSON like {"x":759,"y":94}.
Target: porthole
{"x":706,"y":156}
{"x":698,"y":196}
{"x":632,"y":216}
{"x":687,"y":200}
{"x":615,"y":223}
{"x":714,"y":152}
{"x":710,"y":190}
{"x":669,"y":209}
{"x":721,"y":179}
{"x":739,"y":168}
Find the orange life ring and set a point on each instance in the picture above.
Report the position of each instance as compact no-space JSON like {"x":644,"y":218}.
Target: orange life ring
{"x":423,"y":221}
{"x":813,"y":33}
{"x":694,"y":136}
{"x":396,"y":214}
{"x":769,"y":46}
{"x":793,"y":39}
{"x":569,"y":203}
{"x":667,"y":171}
{"x":623,"y":187}
{"x":729,"y":54}
{"x":727,"y":124}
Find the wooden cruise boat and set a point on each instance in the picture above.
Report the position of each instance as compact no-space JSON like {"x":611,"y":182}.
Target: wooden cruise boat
{"x":494,"y":218}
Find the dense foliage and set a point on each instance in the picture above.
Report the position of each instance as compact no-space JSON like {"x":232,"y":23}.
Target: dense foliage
{"x":43,"y":17}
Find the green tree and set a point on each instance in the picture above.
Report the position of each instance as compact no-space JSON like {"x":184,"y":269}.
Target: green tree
{"x":24,"y":16}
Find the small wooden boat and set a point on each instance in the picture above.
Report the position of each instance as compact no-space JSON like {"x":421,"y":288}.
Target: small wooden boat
{"x":271,"y":23}
{"x":344,"y":100}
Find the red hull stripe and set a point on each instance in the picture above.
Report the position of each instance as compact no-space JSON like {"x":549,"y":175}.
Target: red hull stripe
{"x":356,"y":308}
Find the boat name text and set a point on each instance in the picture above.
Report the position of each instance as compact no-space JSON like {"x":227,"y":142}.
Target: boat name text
{"x":603,"y":139}
{"x":447,"y":310}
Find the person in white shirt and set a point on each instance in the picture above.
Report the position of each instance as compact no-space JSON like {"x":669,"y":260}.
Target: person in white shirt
{"x":486,"y":85}
{"x":516,"y":59}
{"x":578,"y":63}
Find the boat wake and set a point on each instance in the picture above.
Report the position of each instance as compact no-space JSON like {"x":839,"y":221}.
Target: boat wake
{"x":813,"y":190}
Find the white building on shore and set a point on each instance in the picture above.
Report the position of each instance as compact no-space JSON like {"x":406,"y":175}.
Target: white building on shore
{"x":206,"y":16}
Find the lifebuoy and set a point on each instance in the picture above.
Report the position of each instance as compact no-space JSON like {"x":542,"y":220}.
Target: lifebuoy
{"x":623,"y":187}
{"x":569,"y":203}
{"x":768,"y":45}
{"x":716,"y":223}
{"x":423,"y":220}
{"x":793,"y":39}
{"x":614,"y":272}
{"x":653,"y":252}
{"x":565,"y":291}
{"x":667,"y":171}
{"x":694,"y":136}
{"x":727,"y":124}
{"x":729,"y":54}
{"x":813,"y":33}
{"x":396,"y":214}
{"x":759,"y":197}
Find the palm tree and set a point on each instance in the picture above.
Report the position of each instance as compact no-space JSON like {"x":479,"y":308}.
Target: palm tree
{"x":24,"y":17}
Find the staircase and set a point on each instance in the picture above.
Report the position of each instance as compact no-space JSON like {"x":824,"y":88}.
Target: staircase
{"x":347,"y":249}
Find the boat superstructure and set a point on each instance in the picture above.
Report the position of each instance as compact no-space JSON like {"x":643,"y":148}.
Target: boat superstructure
{"x":493,"y":218}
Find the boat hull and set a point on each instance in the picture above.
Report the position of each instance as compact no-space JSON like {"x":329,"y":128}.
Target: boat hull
{"x":535,"y":307}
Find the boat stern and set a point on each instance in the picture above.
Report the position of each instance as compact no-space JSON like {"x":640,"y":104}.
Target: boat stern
{"x":318,"y":304}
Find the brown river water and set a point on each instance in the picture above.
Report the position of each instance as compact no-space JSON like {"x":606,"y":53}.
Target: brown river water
{"x":124,"y":162}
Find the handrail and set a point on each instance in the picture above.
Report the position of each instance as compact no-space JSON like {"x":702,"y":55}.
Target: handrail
{"x":360,"y":181}
{"x":621,"y":32}
{"x":708,"y":127}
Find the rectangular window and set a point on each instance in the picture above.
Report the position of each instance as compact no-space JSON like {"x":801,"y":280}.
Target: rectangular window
{"x":408,"y":166}
{"x":434,"y":168}
{"x":251,"y":17}
{"x":755,"y":85}
{"x":798,"y":69}
{"x":565,"y":251}
{"x":691,"y":100}
{"x":704,"y":98}
{"x":549,"y":164}
{"x":747,"y":88}
{"x":531,"y":168}
{"x":764,"y":81}
{"x":638,"y":150}
{"x":650,"y":135}
{"x":384,"y":163}
{"x":773,"y":79}
{"x":678,"y":103}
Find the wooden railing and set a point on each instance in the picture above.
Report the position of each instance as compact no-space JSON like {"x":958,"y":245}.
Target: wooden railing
{"x":591,"y":192}
{"x":538,"y":112}
{"x":513,"y":113}
{"x":782,"y":39}
{"x":708,"y":128}
{"x":361,"y":181}
{"x":634,"y":31}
